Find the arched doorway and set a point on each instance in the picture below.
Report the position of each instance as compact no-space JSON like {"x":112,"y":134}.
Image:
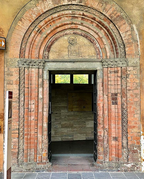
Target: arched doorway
{"x":83,"y":35}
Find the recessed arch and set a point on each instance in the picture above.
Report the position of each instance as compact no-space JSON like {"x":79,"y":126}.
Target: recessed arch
{"x":101,"y":26}
{"x":70,"y":32}
{"x":27,"y":19}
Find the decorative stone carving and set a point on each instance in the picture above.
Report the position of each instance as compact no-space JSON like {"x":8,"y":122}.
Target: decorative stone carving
{"x":124,"y":116}
{"x":21,"y":116}
{"x":31,"y":63}
{"x":133,"y":62}
{"x":114,"y":62}
{"x":73,"y":48}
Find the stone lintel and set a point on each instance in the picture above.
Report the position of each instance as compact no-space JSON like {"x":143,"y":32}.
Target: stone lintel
{"x":85,"y":64}
{"x":73,"y":66}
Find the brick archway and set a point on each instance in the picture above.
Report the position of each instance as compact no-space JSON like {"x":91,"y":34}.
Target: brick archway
{"x":36,"y":28}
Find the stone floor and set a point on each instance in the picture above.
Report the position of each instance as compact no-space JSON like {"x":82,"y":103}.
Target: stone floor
{"x":75,"y":167}
{"x":64,"y":163}
{"x":78,"y":175}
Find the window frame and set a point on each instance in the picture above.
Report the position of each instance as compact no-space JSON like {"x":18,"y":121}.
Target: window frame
{"x":90,"y":78}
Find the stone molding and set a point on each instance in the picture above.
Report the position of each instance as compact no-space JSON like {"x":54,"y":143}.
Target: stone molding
{"x":133,"y":62}
{"x":31,"y":63}
{"x":122,"y":62}
{"x":40,"y":63}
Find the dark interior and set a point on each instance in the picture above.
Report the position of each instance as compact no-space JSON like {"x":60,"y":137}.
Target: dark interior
{"x":72,"y":147}
{"x":64,"y":106}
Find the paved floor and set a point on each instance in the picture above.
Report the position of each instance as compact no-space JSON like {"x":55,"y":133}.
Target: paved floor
{"x":69,"y":167}
{"x":79,"y":175}
{"x":72,"y":163}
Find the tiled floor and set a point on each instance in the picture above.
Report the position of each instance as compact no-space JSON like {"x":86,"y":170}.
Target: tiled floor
{"x":78,"y":175}
{"x":75,"y":167}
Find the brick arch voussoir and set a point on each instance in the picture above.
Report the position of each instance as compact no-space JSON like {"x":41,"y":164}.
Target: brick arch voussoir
{"x":41,"y":46}
{"x":96,"y":23}
{"x":115,"y":46}
{"x":38,"y":30}
{"x":44,"y":41}
{"x":103,"y":25}
{"x":34,"y":9}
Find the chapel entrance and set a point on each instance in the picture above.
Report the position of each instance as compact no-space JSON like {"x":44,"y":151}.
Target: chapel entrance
{"x":72,"y":114}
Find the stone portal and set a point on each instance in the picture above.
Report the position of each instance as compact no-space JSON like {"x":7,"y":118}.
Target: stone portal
{"x":82,"y":35}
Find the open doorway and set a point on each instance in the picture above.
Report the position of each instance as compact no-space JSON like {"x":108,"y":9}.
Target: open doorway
{"x":72,"y":114}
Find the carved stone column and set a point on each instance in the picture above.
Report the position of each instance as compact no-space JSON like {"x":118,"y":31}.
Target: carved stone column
{"x":21,"y":115}
{"x":124,"y":115}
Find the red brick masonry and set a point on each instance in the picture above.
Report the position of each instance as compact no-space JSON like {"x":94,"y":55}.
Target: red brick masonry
{"x":107,"y":27}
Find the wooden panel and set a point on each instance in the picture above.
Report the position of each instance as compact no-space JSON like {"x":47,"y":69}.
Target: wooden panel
{"x":79,"y":101}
